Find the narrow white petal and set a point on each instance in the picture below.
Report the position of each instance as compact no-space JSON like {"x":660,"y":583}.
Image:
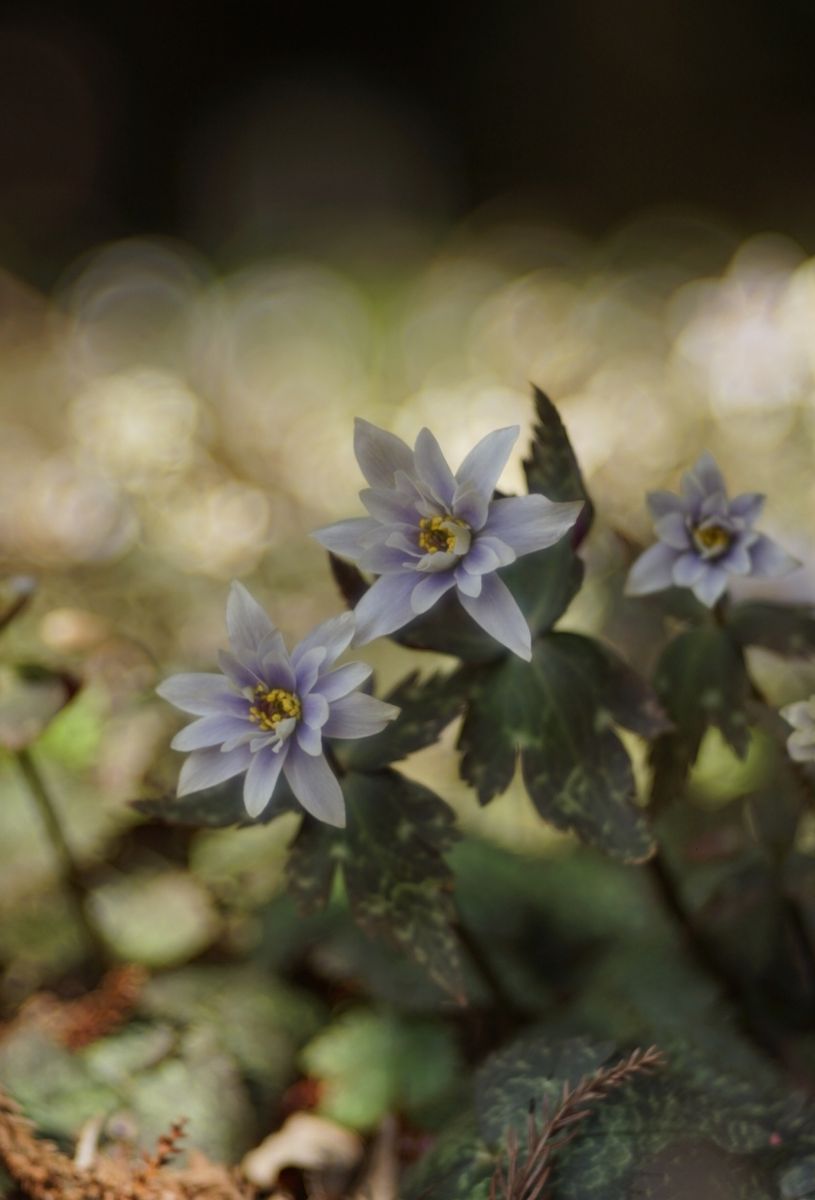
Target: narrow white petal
{"x":358,"y":716}
{"x":497,"y":612}
{"x":206,"y":768}
{"x":315,"y":786}
{"x":263,"y":774}
{"x":380,"y":454}
{"x":347,"y":538}
{"x":246,"y":622}
{"x":201,"y":694}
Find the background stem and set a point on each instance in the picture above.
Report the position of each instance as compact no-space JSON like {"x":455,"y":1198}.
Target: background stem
{"x":70,"y":874}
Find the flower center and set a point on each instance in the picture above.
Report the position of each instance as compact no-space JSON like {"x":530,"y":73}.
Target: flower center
{"x":445,"y":535}
{"x":712,"y":540}
{"x":273,"y":705}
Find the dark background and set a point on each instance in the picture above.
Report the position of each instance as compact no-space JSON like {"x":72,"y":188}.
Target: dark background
{"x":239,"y":128}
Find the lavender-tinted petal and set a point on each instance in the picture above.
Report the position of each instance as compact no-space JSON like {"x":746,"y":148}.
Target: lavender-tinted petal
{"x":488,"y":554}
{"x":263,"y":774}
{"x":471,"y":506}
{"x":347,"y":538}
{"x":385,"y":607}
{"x":428,"y":590}
{"x":530,"y":523}
{"x":245,"y":672}
{"x":380,"y":454}
{"x":714,"y":505}
{"x":801,"y":747}
{"x":309,"y":739}
{"x":358,"y":716}
{"x":434,"y":564}
{"x":747,"y":506}
{"x":276,"y":670}
{"x":707,"y":474}
{"x":769,"y":559}
{"x":211,"y":731}
{"x":383,"y":559}
{"x":433,"y":470}
{"x":315,"y":786}
{"x":738,"y":560}
{"x":206,"y":768}
{"x":661,"y":504}
{"x":652,"y":571}
{"x":316,"y":710}
{"x":389,"y":507}
{"x":801,"y":715}
{"x":308,"y":669}
{"x":246,"y":622}
{"x":711,"y":586}
{"x":496,"y":611}
{"x":482,"y":467}
{"x":407,"y":545}
{"x":342,"y":680}
{"x":673,"y":531}
{"x":333,"y":636}
{"x":688,"y":569}
{"x":201,"y":694}
{"x":469,"y":584}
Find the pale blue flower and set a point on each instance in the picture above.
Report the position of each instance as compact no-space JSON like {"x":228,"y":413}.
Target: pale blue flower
{"x":801,"y":742}
{"x":430,"y":531}
{"x":269,"y":712}
{"x":704,"y":538}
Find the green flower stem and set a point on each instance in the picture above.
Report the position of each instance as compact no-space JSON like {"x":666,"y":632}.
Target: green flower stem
{"x":70,"y":874}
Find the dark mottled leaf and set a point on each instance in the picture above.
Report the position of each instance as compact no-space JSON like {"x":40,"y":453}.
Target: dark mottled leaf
{"x":787,"y":630}
{"x":391,"y":854}
{"x":313,"y":860}
{"x":427,"y":706}
{"x":30,"y":698}
{"x":702,"y":682}
{"x":545,"y":583}
{"x":215,"y":807}
{"x":349,"y":579}
{"x":798,"y":1182}
{"x":532,"y":1071}
{"x":399,"y":885}
{"x":448,"y":629}
{"x":555,"y":711}
{"x":459,"y":1167}
{"x":551,"y":468}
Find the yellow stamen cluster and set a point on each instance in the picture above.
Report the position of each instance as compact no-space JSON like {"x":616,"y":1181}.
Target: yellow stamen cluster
{"x":438,"y":534}
{"x":273,"y":705}
{"x":712,"y":539}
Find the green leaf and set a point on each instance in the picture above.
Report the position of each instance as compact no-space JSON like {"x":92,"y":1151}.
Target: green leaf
{"x":798,"y":1182}
{"x":215,"y":807}
{"x":426,"y":708}
{"x":398,"y":883}
{"x":702,"y":683}
{"x":556,"y":711}
{"x":545,"y":583}
{"x":458,"y":1167}
{"x":315,"y":854}
{"x":370,"y":1064}
{"x":551,"y":468}
{"x":532,"y":1071}
{"x":786,"y":630}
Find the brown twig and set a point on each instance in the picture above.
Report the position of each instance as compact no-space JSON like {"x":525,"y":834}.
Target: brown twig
{"x":527,"y":1172}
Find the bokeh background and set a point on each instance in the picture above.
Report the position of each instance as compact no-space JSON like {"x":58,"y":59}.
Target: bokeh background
{"x":224,"y":234}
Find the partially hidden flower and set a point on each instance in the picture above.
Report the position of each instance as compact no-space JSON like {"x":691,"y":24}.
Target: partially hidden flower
{"x":801,"y":742}
{"x":704,"y":538}
{"x":269,"y":711}
{"x":430,"y":531}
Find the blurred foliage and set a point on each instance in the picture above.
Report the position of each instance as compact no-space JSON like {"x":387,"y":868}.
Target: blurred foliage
{"x":442,"y":962}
